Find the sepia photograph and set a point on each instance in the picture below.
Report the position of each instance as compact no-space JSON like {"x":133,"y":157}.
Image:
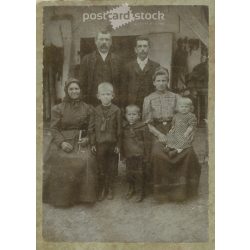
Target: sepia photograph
{"x":126,"y":107}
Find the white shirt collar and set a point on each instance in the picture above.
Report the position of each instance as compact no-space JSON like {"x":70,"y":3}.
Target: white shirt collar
{"x":142,"y":63}
{"x":103,"y":55}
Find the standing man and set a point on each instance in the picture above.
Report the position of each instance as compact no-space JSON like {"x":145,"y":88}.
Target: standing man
{"x":100,"y":66}
{"x":138,"y":83}
{"x":137,"y":75}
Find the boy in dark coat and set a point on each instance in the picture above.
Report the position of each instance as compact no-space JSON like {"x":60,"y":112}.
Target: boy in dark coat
{"x":136,"y":151}
{"x":106,"y":141}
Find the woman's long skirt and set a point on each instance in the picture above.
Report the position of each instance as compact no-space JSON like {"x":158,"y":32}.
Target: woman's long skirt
{"x":177,"y":178}
{"x":70,"y":178}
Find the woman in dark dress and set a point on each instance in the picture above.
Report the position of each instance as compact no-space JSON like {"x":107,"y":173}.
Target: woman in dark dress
{"x":70,"y":168}
{"x":175,"y":178}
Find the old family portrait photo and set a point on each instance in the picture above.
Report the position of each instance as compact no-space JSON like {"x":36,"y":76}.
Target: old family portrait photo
{"x":125,"y":123}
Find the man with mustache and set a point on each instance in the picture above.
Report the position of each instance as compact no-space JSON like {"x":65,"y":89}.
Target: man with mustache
{"x":100,"y":66}
{"x":137,"y":75}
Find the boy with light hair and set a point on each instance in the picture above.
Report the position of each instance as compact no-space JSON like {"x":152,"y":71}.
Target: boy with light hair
{"x":106,"y":141}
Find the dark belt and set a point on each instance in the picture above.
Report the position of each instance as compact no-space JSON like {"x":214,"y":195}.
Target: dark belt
{"x":162,"y":125}
{"x":158,"y":121}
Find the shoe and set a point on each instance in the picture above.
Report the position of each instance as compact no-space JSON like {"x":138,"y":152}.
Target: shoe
{"x":110,"y":194}
{"x":139,"y":197}
{"x":101,"y":195}
{"x":130,"y":193}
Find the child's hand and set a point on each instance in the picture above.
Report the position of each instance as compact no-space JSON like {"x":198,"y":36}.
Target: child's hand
{"x":84,"y":141}
{"x":117,"y":150}
{"x":162,"y":138}
{"x":187,"y":134}
{"x":93,"y":149}
{"x":67,"y":147}
{"x":171,"y":130}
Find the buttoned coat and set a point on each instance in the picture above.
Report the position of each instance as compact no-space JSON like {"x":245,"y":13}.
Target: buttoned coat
{"x":135,"y":140}
{"x":137,"y":83}
{"x":87,"y":70}
{"x":113,"y":127}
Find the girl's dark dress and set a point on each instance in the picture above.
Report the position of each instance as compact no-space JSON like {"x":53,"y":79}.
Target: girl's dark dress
{"x":70,"y":178}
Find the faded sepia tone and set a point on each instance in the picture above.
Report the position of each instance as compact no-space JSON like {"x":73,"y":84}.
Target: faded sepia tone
{"x":146,"y":225}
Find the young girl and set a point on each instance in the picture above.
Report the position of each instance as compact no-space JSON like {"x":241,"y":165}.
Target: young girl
{"x":184,"y":124}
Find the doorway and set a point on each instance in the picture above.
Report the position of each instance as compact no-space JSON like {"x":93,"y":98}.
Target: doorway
{"x":123,"y":46}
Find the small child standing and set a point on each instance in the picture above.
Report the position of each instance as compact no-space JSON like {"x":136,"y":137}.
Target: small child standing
{"x":183,"y":128}
{"x":135,"y":151}
{"x":106,"y":141}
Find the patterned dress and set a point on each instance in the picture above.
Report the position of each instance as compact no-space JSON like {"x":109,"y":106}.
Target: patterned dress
{"x":180,"y":123}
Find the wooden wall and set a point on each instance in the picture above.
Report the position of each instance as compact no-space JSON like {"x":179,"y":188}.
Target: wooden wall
{"x":172,"y":27}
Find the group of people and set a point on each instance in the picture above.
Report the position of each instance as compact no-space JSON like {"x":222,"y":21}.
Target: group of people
{"x":120,"y":112}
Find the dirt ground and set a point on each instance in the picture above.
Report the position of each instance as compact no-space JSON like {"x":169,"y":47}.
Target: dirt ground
{"x":120,"y":220}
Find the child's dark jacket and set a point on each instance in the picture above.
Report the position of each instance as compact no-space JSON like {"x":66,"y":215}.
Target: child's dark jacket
{"x":108,"y":125}
{"x":135,"y":140}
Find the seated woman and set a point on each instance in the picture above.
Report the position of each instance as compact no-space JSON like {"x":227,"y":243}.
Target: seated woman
{"x":70,"y":168}
{"x":176,"y":177}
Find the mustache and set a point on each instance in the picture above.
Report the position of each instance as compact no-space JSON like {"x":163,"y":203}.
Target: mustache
{"x":104,"y":46}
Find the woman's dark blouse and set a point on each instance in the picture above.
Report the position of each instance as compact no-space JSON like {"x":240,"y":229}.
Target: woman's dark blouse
{"x":71,"y":116}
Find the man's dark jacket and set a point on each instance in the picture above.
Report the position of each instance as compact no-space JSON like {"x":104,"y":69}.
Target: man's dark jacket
{"x":87,"y":71}
{"x":137,"y":84}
